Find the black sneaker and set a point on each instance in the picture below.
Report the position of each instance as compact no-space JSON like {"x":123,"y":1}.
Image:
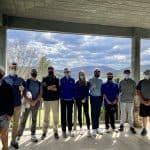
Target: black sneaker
{"x":144,"y":132}
{"x":121,"y":128}
{"x":15,"y":145}
{"x":64,"y":135}
{"x":43,"y":136}
{"x":56,"y":135}
{"x":132,"y":130}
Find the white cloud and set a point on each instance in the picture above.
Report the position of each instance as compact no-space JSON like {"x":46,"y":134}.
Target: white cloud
{"x":117,"y":57}
{"x":145,"y":52}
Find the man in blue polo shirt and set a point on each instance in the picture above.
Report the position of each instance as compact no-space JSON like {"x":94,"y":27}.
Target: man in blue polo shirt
{"x":110,"y":91}
{"x":18,"y":87}
{"x":67,"y":93}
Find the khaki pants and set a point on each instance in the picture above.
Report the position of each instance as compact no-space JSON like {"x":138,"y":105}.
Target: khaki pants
{"x":54,"y":107}
{"x":15,"y":122}
{"x":127,"y":110}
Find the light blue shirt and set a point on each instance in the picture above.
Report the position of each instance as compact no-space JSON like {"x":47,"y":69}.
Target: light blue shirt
{"x":95,"y":86}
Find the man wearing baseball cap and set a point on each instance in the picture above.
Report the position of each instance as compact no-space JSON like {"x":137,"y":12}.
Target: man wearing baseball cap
{"x":31,"y":104}
{"x":95,"y":100}
{"x":67,"y":93}
{"x":110,"y":93}
{"x":6,"y":108}
{"x":127,"y":88}
{"x":51,"y":88}
{"x":143,"y":91}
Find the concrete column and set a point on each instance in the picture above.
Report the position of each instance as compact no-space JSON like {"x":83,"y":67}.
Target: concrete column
{"x":3,"y":47}
{"x":135,"y":66}
{"x":135,"y":58}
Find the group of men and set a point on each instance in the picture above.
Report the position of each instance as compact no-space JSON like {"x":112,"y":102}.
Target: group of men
{"x":19,"y":98}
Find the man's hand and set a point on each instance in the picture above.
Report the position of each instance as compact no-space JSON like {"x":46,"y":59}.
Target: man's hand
{"x":21,"y":88}
{"x":146,"y":103}
{"x":8,"y":118}
{"x":83,"y":100}
{"x":94,"y":86}
{"x":52,"y":88}
{"x":33,"y":103}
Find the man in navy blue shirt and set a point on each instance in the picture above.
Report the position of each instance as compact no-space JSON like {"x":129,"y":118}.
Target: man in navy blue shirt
{"x":110,"y":91}
{"x":18,"y":87}
{"x":31,"y":104}
{"x":67,"y":93}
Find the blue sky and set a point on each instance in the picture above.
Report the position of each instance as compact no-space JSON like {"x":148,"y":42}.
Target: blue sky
{"x":74,"y":50}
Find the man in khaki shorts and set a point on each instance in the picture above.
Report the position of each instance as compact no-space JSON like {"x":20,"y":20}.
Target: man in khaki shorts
{"x":6,"y":109}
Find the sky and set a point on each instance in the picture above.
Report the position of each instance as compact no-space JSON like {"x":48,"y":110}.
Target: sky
{"x":74,"y":50}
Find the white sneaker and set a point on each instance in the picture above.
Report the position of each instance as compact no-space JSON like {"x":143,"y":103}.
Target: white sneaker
{"x":94,"y":132}
{"x":34,"y":139}
{"x":88,"y":133}
{"x":71,"y":134}
{"x":99,"y":131}
{"x":81,"y":131}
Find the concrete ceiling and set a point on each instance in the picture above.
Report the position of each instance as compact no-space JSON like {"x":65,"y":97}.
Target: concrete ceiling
{"x":123,"y":13}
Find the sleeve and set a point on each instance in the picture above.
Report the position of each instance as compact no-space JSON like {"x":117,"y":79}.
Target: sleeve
{"x":10,"y":106}
{"x":57,"y":85}
{"x":117,"y":89}
{"x":138,"y":87}
{"x":73,"y":88}
{"x":103,"y":89}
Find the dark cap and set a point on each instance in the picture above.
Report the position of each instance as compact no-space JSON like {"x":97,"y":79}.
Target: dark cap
{"x":127,"y":71}
{"x":147,"y":72}
{"x":109,"y":74}
{"x":13,"y":64}
{"x":33,"y":70}
{"x":97,"y":70}
{"x":51,"y":68}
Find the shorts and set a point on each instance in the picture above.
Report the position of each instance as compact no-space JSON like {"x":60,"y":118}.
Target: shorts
{"x":4,"y":124}
{"x":144,"y":110}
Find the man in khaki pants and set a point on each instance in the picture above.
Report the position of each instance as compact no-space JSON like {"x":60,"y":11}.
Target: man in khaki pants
{"x":18,"y":86}
{"x":51,"y":101}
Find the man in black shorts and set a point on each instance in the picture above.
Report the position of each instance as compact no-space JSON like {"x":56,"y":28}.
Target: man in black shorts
{"x":143,"y":91}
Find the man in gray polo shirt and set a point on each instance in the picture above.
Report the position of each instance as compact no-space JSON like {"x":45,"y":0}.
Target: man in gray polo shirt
{"x":143,"y":91}
{"x":127,"y":89}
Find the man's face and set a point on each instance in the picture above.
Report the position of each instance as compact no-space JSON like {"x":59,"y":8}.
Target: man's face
{"x":97,"y":73}
{"x":13,"y":67}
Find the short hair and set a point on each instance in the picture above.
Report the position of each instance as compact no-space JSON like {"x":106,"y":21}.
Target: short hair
{"x":127,"y":71}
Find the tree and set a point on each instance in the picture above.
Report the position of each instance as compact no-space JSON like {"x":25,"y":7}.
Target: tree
{"x":25,"y":56}
{"x":42,"y":67}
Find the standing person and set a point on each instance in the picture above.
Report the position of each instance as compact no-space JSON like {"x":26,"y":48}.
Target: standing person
{"x":51,"y":101}
{"x":32,"y":103}
{"x":143,"y":91}
{"x":67,"y":92}
{"x":81,"y":97}
{"x":110,"y":92}
{"x":127,"y":88}
{"x":18,"y":86}
{"x":6,"y":109}
{"x":96,"y":100}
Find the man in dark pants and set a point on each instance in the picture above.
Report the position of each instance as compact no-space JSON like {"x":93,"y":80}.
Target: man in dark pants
{"x":31,"y":104}
{"x":96,"y":100}
{"x":110,"y":91}
{"x":6,"y":109}
{"x":67,"y":89}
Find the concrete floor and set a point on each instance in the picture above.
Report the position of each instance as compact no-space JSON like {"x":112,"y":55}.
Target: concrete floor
{"x":107,"y":141}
